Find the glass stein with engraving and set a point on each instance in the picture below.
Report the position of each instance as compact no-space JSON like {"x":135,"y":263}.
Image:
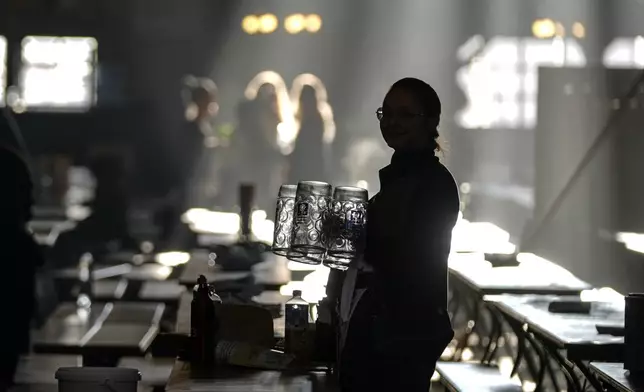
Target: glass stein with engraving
{"x":346,"y":226}
{"x":284,"y":219}
{"x":308,"y":243}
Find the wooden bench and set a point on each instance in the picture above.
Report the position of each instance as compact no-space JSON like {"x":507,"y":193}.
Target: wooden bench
{"x":474,"y":377}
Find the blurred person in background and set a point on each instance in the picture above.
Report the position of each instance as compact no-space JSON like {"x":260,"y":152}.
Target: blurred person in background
{"x":400,"y":325}
{"x":199,"y":142}
{"x":309,"y":159}
{"x":257,"y":157}
{"x":21,"y":257}
{"x":106,"y":228}
{"x":195,"y":182}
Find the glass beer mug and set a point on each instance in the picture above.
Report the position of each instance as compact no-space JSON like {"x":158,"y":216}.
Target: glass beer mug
{"x":284,"y":219}
{"x":308,"y":241}
{"x":347,"y":225}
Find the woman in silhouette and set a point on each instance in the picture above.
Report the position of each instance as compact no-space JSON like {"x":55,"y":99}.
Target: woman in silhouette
{"x":258,"y":159}
{"x":308,"y":160}
{"x":400,"y":326}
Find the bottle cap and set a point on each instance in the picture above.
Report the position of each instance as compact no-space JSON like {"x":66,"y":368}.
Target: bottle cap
{"x":297,"y":293}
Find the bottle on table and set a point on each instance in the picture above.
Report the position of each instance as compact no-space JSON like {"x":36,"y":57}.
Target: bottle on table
{"x":297,"y":324}
{"x":204,"y":324}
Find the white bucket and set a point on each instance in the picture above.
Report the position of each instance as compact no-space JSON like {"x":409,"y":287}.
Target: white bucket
{"x":97,"y":379}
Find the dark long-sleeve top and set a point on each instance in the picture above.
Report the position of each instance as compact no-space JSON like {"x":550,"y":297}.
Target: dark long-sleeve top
{"x":408,"y":242}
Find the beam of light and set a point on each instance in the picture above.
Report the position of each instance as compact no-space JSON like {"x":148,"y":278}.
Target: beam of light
{"x":288,"y":103}
{"x":58,"y":72}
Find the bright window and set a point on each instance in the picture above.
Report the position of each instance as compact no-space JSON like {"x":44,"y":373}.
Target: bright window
{"x":58,"y":72}
{"x":500,"y":81}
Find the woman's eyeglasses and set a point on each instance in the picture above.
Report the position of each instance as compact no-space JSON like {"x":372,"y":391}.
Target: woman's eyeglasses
{"x":380,"y":114}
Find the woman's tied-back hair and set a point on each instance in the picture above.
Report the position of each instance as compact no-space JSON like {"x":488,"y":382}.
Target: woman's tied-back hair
{"x":427,"y":98}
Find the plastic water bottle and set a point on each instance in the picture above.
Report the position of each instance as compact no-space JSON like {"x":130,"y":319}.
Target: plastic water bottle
{"x":297,"y":323}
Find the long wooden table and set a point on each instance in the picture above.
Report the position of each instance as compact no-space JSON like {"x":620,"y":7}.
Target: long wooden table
{"x":615,"y":378}
{"x":575,"y":333}
{"x":482,"y":278}
{"x":102,"y":335}
{"x":228,"y":378}
{"x":570,"y":339}
{"x":471,"y":278}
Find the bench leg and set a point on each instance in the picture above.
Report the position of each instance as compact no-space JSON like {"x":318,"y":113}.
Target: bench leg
{"x":590,"y":377}
{"x":495,"y":335}
{"x":574,"y":383}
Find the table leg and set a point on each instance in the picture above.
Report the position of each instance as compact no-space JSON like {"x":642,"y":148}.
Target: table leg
{"x":495,"y":335}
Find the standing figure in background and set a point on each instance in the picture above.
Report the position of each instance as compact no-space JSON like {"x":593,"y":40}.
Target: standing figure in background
{"x":258,"y":158}
{"x":21,"y":256}
{"x":195,"y":180}
{"x":310,"y":157}
{"x":200,"y":165}
{"x":106,"y":228}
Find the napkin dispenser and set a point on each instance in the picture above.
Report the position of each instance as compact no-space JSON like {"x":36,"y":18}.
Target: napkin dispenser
{"x":634,"y":333}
